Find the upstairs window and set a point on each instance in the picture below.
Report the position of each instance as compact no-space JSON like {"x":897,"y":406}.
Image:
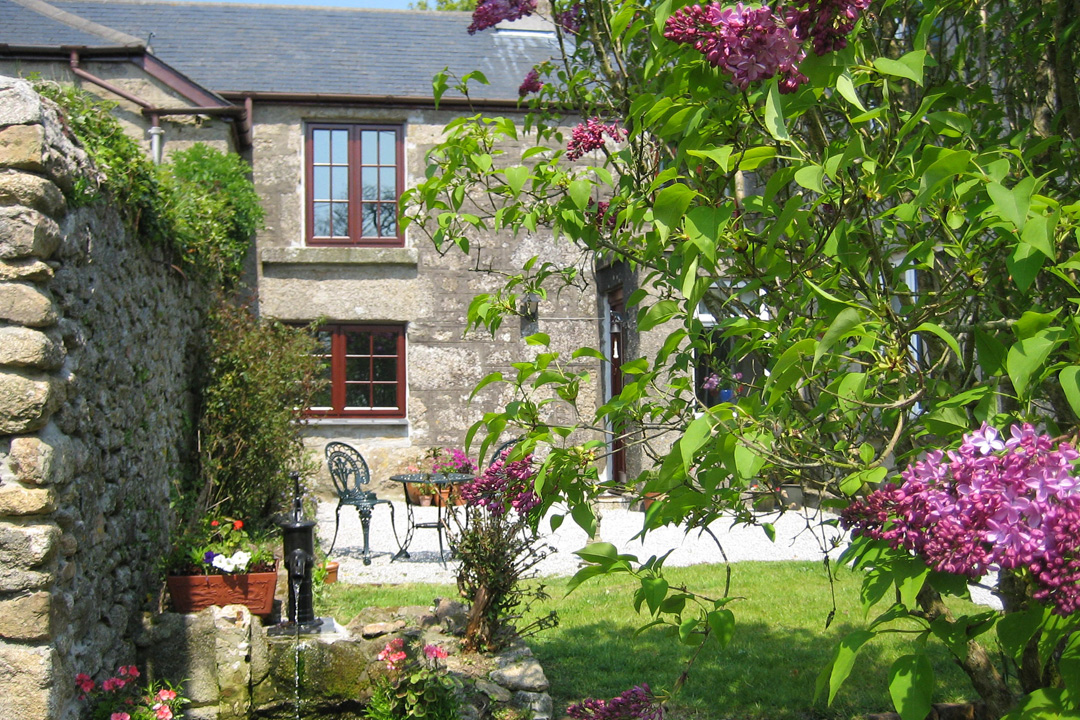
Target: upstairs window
{"x":354,"y":180}
{"x":365,"y":366}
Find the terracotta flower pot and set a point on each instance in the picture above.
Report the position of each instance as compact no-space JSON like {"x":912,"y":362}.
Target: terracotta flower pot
{"x":191,"y":593}
{"x":331,"y":572}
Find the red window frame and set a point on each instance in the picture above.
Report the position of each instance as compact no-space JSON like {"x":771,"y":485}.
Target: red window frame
{"x":356,"y":164}
{"x":338,"y":358}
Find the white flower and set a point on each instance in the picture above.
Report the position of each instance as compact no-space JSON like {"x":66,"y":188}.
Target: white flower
{"x":225,"y":564}
{"x":240,"y":560}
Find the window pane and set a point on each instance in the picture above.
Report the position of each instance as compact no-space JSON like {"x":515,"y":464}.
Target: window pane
{"x":358,"y":368}
{"x":388,"y":184}
{"x":321,"y":191}
{"x":385,"y":368}
{"x":386,"y":395}
{"x":369,"y":150}
{"x":389,"y":220}
{"x":341,"y":219}
{"x":358,"y":395}
{"x":340,"y":147}
{"x":322,"y":219}
{"x":385,"y":343}
{"x":322,"y":399}
{"x":369,"y":211}
{"x":340,"y":184}
{"x":387,"y":147}
{"x":357,"y":343}
{"x":325,"y":338}
{"x":320,"y":140}
{"x":369,"y":176}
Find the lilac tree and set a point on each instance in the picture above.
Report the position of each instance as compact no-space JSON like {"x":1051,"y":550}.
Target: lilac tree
{"x":878,"y":200}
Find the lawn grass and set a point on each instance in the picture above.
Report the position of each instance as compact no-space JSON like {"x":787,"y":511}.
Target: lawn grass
{"x":768,"y":671}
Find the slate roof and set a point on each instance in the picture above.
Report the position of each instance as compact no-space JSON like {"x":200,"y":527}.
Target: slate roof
{"x":286,"y":49}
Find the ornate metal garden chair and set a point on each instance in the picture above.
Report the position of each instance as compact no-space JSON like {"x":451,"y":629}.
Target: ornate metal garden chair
{"x":351,"y":476}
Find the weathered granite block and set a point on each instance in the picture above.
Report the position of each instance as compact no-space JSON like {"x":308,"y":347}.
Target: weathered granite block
{"x":27,"y":233}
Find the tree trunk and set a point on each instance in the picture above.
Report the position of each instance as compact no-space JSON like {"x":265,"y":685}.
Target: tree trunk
{"x":978,"y":665}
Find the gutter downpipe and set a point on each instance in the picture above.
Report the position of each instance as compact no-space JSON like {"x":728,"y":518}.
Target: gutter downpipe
{"x":156,"y":131}
{"x":154,"y":113}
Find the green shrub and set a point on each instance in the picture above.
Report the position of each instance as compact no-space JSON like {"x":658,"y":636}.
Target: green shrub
{"x":262,"y":376}
{"x":201,"y":207}
{"x":212,"y":208}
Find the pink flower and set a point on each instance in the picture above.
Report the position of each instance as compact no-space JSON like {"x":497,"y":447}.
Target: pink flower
{"x":162,"y":712}
{"x":988,"y":505}
{"x":84,"y":682}
{"x":129,"y":671}
{"x":530,"y":84}
{"x":711,"y":382}
{"x":434,"y":652}
{"x":589,"y":135}
{"x":748,"y":43}
{"x":393,"y":653}
{"x":113,"y":683}
{"x":489,"y":13}
{"x":119,"y":716}
{"x":165,"y":694}
{"x":570,"y":20}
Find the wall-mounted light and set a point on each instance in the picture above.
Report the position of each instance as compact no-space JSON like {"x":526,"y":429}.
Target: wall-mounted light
{"x":530,"y":307}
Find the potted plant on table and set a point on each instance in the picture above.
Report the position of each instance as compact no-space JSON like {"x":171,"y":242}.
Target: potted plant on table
{"x":451,"y":461}
{"x":218,"y":564}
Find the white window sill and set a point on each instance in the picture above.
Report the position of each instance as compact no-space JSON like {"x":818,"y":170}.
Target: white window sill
{"x":340,"y":256}
{"x":366,"y":422}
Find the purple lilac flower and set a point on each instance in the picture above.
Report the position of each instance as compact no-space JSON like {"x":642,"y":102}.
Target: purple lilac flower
{"x":634,"y":704}
{"x":712,"y":381}
{"x":825,"y":22}
{"x":749,"y":44}
{"x":570,"y":19}
{"x":489,"y":13}
{"x":531,"y":83}
{"x":589,"y":135}
{"x":504,"y":485}
{"x":988,"y":505}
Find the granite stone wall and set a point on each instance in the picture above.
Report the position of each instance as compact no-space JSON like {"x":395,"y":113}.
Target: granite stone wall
{"x":99,"y":341}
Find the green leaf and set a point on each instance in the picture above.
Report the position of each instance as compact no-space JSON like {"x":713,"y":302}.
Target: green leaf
{"x":655,"y":590}
{"x":770,"y":531}
{"x":844,"y":660}
{"x":810,"y":177}
{"x":943,"y":334}
{"x":854,"y":482}
{"x":911,"y":685}
{"x":599,"y":552}
{"x":722,"y":623}
{"x":516,"y":177}
{"x":585,"y":518}
{"x":670,"y":206}
{"x":580,"y":192}
{"x":991,"y":353}
{"x":695,"y":436}
{"x":493,"y":377}
{"x":1012,"y":205}
{"x":720,"y":155}
{"x":1069,"y":378}
{"x":774,"y":112}
{"x":1015,"y":630}
{"x":844,"y":321}
{"x":846,"y":88}
{"x":657,"y":314}
{"x":909,"y":66}
{"x":538,"y":339}
{"x":1027,"y":357}
{"x":1039,"y":234}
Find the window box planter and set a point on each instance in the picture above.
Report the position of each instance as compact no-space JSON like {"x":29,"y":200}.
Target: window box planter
{"x":192,"y":593}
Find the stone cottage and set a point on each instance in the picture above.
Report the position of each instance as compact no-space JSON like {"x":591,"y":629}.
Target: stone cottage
{"x":334,"y":110}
